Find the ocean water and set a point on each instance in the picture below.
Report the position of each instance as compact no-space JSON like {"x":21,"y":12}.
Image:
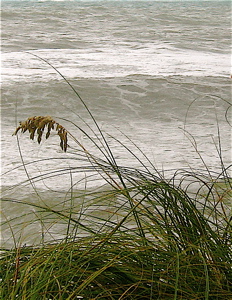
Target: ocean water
{"x":153,"y":73}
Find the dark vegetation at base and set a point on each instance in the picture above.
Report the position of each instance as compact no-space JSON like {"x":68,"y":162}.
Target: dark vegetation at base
{"x":177,"y":248}
{"x":118,"y":269}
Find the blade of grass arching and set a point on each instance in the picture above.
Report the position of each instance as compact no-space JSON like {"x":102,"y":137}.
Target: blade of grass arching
{"x":133,"y":286}
{"x":227,"y":110}
{"x":228,"y":120}
{"x":187,"y":112}
{"x":82,"y":101}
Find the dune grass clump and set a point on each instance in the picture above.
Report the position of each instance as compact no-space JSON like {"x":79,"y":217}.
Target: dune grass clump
{"x":142,"y":237}
{"x":136,"y":235}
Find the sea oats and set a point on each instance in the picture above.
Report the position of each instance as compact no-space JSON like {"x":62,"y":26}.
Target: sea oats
{"x":37,"y":124}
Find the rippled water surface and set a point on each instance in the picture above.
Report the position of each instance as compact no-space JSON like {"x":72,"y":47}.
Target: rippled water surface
{"x":157,"y":73}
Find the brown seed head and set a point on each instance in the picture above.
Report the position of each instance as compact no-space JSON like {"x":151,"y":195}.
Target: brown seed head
{"x":38,"y":124}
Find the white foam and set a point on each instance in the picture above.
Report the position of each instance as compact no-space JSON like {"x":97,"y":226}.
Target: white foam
{"x":154,"y":60}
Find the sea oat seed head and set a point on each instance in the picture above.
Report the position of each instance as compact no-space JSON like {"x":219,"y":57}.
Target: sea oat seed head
{"x":37,"y":125}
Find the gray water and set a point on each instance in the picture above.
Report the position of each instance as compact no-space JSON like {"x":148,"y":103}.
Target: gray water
{"x":157,"y":74}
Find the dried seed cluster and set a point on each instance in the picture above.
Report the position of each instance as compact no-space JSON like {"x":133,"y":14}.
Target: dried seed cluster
{"x":37,"y":124}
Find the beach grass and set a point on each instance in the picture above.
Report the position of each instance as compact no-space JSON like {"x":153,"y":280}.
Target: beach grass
{"x":135,"y":235}
{"x":138,"y":236}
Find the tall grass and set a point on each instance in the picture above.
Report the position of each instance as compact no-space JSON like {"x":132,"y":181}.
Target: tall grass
{"x":137,"y":235}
